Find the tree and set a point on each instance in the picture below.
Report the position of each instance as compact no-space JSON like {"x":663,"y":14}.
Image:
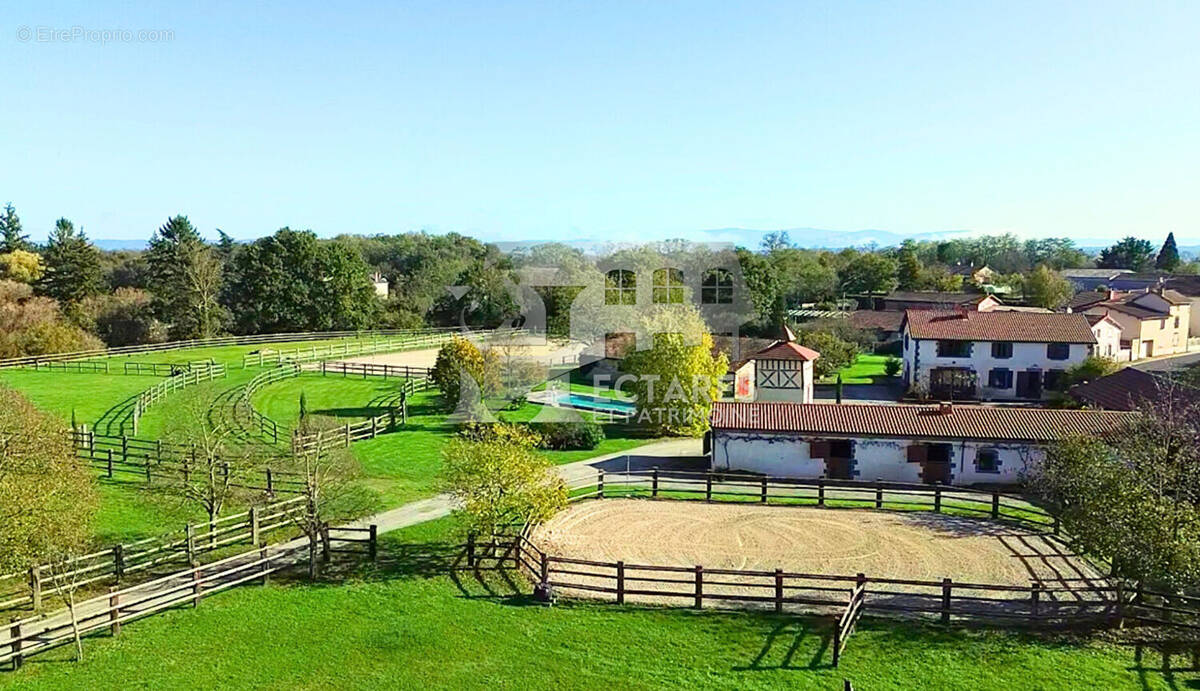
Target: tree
{"x":184,"y":276}
{"x":35,"y":326}
{"x":329,"y":477}
{"x":11,"y":237}
{"x":1132,"y":496}
{"x":460,"y":362}
{"x":677,"y":379}
{"x":776,"y":240}
{"x":47,"y":494}
{"x":1044,"y":287}
{"x":123,"y":318}
{"x":1091,"y":369}
{"x":1129,"y":253}
{"x":1168,"y":256}
{"x":291,"y":281}
{"x":21,"y":266}
{"x":835,"y":352}
{"x":909,"y":269}
{"x":869,"y":273}
{"x":496,"y":484}
{"x":72,"y":265}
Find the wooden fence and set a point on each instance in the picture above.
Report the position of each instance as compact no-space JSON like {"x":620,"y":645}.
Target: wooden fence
{"x":367,"y":369}
{"x":78,"y":366}
{"x":154,"y":459}
{"x":31,"y":360}
{"x":119,"y":563}
{"x":164,"y":369}
{"x":417,"y":379}
{"x":182,"y":380}
{"x":260,"y":424}
{"x":344,"y":350}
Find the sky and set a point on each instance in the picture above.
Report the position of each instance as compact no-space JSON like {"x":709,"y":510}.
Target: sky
{"x":619,"y":121}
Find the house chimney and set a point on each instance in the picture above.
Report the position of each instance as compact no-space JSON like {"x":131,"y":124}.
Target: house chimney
{"x":945,"y":408}
{"x":1112,"y":294}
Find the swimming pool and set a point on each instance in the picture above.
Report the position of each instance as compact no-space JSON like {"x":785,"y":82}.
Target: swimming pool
{"x":595,"y":403}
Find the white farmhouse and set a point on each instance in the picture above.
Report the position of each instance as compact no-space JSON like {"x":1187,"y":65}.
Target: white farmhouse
{"x":962,"y":354}
{"x":944,"y":443}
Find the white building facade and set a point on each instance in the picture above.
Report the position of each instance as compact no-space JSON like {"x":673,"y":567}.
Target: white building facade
{"x":962,"y":355}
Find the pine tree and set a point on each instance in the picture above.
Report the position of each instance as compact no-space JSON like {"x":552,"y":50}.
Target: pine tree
{"x":1168,"y":256}
{"x":909,"y":274}
{"x":72,"y":265}
{"x":185,"y":278}
{"x":11,"y":237}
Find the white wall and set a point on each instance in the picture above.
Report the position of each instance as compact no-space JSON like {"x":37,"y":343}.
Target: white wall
{"x":920,"y":356}
{"x":787,"y":455}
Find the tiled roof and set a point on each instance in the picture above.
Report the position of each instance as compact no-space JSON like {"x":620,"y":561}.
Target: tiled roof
{"x":1132,"y":310}
{"x":1023,"y":327}
{"x":1121,"y":390}
{"x":966,"y":422}
{"x":1087,"y":298}
{"x":884,"y":320}
{"x":786,"y":350}
{"x":1093,"y":273}
{"x":934,"y":297}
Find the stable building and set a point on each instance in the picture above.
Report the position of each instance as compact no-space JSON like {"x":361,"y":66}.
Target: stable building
{"x":783,"y":371}
{"x":944,"y":443}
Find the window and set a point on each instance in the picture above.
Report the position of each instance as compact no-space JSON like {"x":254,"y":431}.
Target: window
{"x":841,"y":448}
{"x":954,"y":349}
{"x":987,"y":461}
{"x":906,"y":341}
{"x":620,"y":287}
{"x":716,"y":287}
{"x":1051,"y":378}
{"x":1176,"y":322}
{"x":668,"y":287}
{"x":1058,"y":351}
{"x":1000,"y":378}
{"x":1002,"y":350}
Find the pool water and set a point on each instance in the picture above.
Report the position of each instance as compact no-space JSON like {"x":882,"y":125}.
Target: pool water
{"x":585,"y":402}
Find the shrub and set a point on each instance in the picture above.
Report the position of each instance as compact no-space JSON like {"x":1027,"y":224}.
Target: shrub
{"x":562,"y":436}
{"x":501,"y":432}
{"x":891,"y":366}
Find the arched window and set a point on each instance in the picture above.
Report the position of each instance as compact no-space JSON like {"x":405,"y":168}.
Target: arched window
{"x":716,"y":287}
{"x":620,"y":287}
{"x":668,"y":286}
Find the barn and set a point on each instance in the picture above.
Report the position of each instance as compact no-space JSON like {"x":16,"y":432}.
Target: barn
{"x":945,"y":443}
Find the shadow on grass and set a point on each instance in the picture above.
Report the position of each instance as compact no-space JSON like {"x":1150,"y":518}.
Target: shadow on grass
{"x":788,"y":636}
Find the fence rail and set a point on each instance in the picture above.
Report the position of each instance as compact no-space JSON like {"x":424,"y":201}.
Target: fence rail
{"x":182,"y":380}
{"x":260,"y":424}
{"x":154,"y":459}
{"x":417,"y":379}
{"x":342,"y":350}
{"x":117,"y":564}
{"x":213,"y":342}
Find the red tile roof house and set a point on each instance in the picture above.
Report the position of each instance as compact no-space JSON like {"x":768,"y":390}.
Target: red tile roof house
{"x":942,"y":443}
{"x":968,"y":355}
{"x":783,"y":371}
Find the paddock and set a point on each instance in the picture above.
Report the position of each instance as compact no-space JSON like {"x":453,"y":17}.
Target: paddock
{"x":917,"y":546}
{"x":528,"y":348}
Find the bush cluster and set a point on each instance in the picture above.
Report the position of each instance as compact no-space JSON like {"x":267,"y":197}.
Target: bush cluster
{"x":556,"y":436}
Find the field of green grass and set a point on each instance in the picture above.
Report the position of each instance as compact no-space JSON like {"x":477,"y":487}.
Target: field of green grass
{"x":408,"y":623}
{"x":867,"y":369}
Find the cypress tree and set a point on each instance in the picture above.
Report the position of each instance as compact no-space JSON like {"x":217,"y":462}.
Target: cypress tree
{"x":1168,"y":256}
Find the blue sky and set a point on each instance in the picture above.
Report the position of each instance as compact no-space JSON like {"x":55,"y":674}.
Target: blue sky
{"x":608,"y":120}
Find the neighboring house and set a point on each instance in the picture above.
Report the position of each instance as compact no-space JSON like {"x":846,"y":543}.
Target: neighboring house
{"x":979,"y":275}
{"x":885,"y":325}
{"x":1125,"y":389}
{"x":381,"y":285}
{"x":960,"y":354}
{"x":783,"y":371}
{"x":1108,"y":337}
{"x":1092,"y":279}
{"x":949,"y":444}
{"x":928,"y":300}
{"x":1152,"y":323}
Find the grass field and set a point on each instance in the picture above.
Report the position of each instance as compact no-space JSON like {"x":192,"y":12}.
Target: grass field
{"x":408,"y":624}
{"x":867,"y":369}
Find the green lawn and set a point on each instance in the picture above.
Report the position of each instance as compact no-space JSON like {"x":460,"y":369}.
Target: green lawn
{"x":409,"y":624}
{"x":867,"y":369}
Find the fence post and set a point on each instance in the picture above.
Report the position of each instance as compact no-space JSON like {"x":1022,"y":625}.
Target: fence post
{"x":374,"y":427}
{"x":937,"y":497}
{"x":620,"y":582}
{"x":270,"y":485}
{"x":699,"y":586}
{"x":878,"y":493}
{"x":995,"y":503}
{"x":1120,"y":604}
{"x":708,"y":486}
{"x":821,"y":491}
{"x":325,"y":543}
{"x":778,"y":590}
{"x":946,"y":585}
{"x":837,"y":644}
{"x":654,"y":485}
{"x":35,"y":586}
{"x":114,"y":611}
{"x":118,"y":552}
{"x":253,"y":520}
{"x":110,"y":463}
{"x":190,"y":543}
{"x":600,"y":484}
{"x":14,"y":634}
{"x":196,"y":588}
{"x":471,"y":549}
{"x":373,"y":542}
{"x":1035,"y":592}
{"x":347,"y":432}
{"x":764,"y":489}
{"x":545,"y":571}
